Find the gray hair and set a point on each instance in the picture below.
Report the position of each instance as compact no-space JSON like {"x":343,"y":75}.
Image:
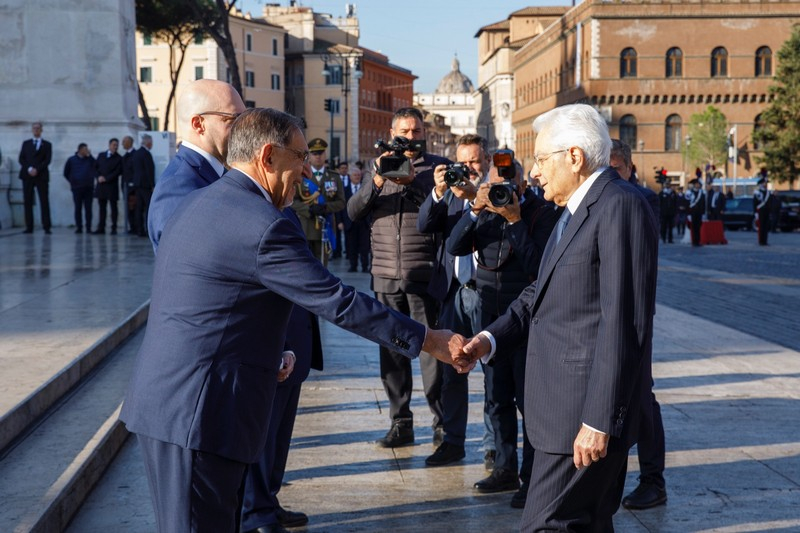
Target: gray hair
{"x":621,"y":150}
{"x":259,"y":126}
{"x":146,"y":137}
{"x":407,"y":112}
{"x":577,"y":125}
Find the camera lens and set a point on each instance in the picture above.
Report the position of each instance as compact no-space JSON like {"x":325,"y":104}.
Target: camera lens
{"x":501,"y":194}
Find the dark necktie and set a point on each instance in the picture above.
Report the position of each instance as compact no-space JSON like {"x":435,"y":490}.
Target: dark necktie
{"x":37,"y":142}
{"x":562,"y":224}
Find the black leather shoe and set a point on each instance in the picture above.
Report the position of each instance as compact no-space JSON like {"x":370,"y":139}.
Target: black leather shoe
{"x":48,"y":232}
{"x":438,"y":436}
{"x":645,"y":496}
{"x":520,"y":497}
{"x":99,"y":232}
{"x":113,"y":231}
{"x":269,"y":528}
{"x":78,"y":230}
{"x":291,"y":518}
{"x":445,"y":454}
{"x":488,"y":460}
{"x":28,"y":231}
{"x":400,"y":434}
{"x":500,"y":480}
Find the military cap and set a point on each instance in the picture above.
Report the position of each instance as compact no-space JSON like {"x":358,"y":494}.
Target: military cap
{"x":692,"y":182}
{"x":762,"y":180}
{"x":317,"y":145}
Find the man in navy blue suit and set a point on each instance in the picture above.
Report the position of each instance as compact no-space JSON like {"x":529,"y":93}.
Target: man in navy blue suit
{"x":229,"y":267}
{"x":206,"y":111}
{"x":588,"y":324}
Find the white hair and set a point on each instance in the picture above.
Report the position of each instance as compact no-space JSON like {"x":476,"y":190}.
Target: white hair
{"x":577,"y":125}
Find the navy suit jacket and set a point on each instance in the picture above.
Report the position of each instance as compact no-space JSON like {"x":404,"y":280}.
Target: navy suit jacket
{"x":588,"y":322}
{"x":188,"y":171}
{"x":441,"y":217}
{"x":205,"y":374}
{"x":40,"y":160}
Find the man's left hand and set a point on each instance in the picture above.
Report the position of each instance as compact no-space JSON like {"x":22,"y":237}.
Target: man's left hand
{"x":509,"y":211}
{"x":589,"y":447}
{"x":444,"y":345}
{"x":288,"y":366}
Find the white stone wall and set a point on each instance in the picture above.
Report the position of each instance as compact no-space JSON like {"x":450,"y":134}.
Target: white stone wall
{"x":71,"y":65}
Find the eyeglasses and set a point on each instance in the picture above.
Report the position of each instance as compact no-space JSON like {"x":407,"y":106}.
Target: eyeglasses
{"x":539,"y":159}
{"x":300,"y":154}
{"x":227,"y":117}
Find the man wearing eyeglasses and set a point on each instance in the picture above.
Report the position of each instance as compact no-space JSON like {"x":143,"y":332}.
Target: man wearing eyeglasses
{"x":318,"y":198}
{"x":588,"y":324}
{"x":206,"y":111}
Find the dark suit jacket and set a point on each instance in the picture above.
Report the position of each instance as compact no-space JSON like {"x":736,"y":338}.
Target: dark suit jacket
{"x":127,"y":168}
{"x":440,"y":217}
{"x":228,"y":268}
{"x":187,"y":172}
{"x":588,"y":321}
{"x":144,"y":169}
{"x":111,"y":169}
{"x":40,"y":160}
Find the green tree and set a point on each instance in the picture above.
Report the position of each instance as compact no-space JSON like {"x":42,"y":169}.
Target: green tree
{"x":779,"y":130}
{"x":168,"y":21}
{"x":708,"y":131}
{"x":212,"y":15}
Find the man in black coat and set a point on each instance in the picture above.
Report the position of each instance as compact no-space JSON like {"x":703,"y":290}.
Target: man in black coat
{"x":144,"y":180}
{"x":109,"y":169}
{"x":668,"y":203}
{"x":697,"y":208}
{"x":34,"y":160}
{"x":128,"y":190}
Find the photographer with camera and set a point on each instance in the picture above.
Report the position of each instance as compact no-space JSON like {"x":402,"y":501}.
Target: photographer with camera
{"x":320,"y":196}
{"x":453,"y":281}
{"x":402,"y":263}
{"x":508,"y":227}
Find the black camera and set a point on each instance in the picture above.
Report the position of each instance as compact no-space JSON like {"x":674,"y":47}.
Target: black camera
{"x":456,"y":174}
{"x":397,"y":165}
{"x":501,"y":194}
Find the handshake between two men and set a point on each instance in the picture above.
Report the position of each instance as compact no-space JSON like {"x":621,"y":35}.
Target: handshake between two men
{"x":455,"y":349}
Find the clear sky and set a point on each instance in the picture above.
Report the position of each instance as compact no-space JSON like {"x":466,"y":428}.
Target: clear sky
{"x":420,"y":35}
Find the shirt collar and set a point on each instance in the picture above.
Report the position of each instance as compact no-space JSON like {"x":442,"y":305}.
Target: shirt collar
{"x":267,"y":195}
{"x":218,"y":167}
{"x":316,"y":171}
{"x":580,"y":193}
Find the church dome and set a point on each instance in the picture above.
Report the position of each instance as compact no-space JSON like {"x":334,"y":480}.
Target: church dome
{"x":455,"y":82}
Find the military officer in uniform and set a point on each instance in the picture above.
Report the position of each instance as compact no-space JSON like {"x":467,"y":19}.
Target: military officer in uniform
{"x":317,"y":199}
{"x":697,"y":208}
{"x":762,"y":199}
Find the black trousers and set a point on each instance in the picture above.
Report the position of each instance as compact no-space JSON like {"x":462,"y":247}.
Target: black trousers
{"x":358,"y":245}
{"x":192,"y":491}
{"x":264,"y":478}
{"x":504,"y":382}
{"x":142,"y":206}
{"x":103,"y":204}
{"x":82,"y":198}
{"x":651,"y":447}
{"x":42,"y":186}
{"x":697,"y":223}
{"x":763,"y":226}
{"x":667,"y":223}
{"x":396,"y":368}
{"x":563,"y":498}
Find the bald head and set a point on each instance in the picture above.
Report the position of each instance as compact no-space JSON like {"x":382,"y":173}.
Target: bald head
{"x":206,"y":111}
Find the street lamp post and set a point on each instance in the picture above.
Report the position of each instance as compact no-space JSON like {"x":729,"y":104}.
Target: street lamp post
{"x":686,"y":156}
{"x":344,"y":61}
{"x":641,"y":153}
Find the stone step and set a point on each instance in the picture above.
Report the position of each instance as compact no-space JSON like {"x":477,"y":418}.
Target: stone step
{"x":47,"y":472}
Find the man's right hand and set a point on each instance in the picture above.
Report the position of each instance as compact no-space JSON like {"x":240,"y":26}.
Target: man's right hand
{"x":481,"y":198}
{"x":440,"y":186}
{"x":473,"y":350}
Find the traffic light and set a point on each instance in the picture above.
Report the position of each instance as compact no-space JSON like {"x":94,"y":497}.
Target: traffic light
{"x":328,"y":104}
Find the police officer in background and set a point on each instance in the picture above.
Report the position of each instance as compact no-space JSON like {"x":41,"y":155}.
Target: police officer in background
{"x":668,"y":205}
{"x":317,"y":199}
{"x":697,"y":208}
{"x":762,"y":201}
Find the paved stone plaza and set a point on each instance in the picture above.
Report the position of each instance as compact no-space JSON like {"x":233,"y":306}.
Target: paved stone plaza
{"x":725,"y":361}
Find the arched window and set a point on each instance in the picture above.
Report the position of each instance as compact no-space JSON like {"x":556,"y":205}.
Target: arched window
{"x":764,"y":61}
{"x":674,"y":63}
{"x":758,"y":123}
{"x":627,"y":63}
{"x":627,"y":130}
{"x":672,"y":133}
{"x":719,"y":63}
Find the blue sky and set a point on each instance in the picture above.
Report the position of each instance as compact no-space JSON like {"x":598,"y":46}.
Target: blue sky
{"x":435,"y":30}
